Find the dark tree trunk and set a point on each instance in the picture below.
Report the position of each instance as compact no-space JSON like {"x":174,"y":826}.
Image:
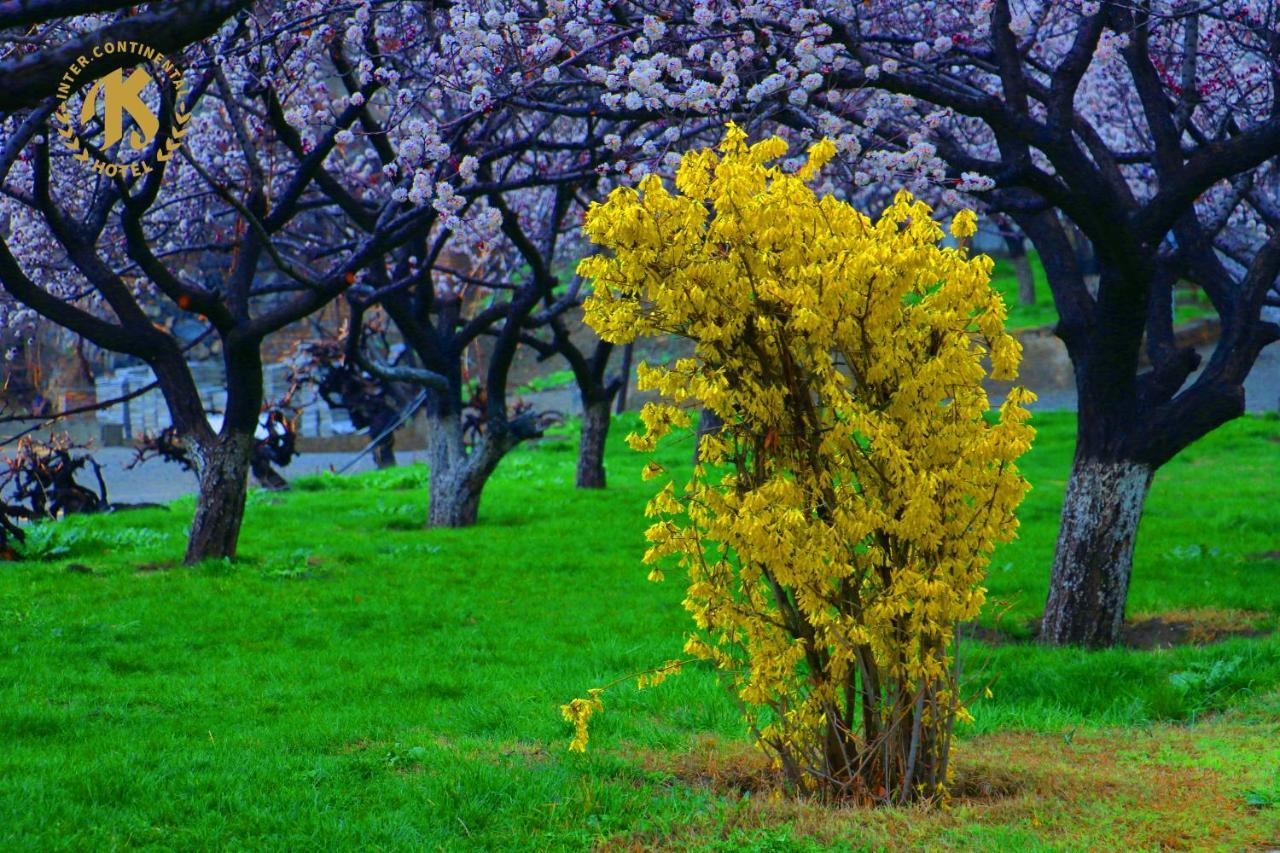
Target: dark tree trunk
{"x":226,"y":459}
{"x":595,"y":432}
{"x":1118,"y":441}
{"x":627,"y":352}
{"x":384,"y":453}
{"x":1115,"y":459}
{"x":458,"y":477}
{"x":452,"y":503}
{"x":708,"y":422}
{"x":1094,"y":558}
{"x":1022,"y":269}
{"x":269,"y":478}
{"x":224,"y":473}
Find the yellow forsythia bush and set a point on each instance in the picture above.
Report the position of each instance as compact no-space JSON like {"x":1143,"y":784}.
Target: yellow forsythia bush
{"x":841,"y":521}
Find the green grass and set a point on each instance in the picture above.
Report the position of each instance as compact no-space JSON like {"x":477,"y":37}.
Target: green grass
{"x":547,"y":381}
{"x":1005,"y":280}
{"x":1190,"y":301}
{"x":356,"y":682}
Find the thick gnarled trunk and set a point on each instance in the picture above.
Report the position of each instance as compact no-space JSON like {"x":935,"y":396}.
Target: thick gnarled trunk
{"x":595,"y":432}
{"x":1094,"y":557}
{"x":453,"y":503}
{"x":450,"y":501}
{"x":458,"y":477}
{"x":224,"y":480}
{"x":226,"y":459}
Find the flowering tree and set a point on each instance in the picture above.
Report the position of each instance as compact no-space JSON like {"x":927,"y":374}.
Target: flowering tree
{"x":361,"y":127}
{"x":544,"y":241}
{"x":509,"y":178}
{"x":1152,"y":128}
{"x":439,"y":321}
{"x":228,"y":235}
{"x":842,"y":517}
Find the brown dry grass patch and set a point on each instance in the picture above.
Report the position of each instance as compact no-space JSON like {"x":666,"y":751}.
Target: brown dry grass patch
{"x":1189,"y":627}
{"x":1167,"y":787}
{"x":1195,"y":627}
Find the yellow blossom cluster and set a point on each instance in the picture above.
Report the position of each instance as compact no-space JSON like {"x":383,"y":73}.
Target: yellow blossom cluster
{"x":841,"y":520}
{"x":579,"y":713}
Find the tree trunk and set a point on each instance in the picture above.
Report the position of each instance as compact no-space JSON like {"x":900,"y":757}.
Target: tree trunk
{"x":457,"y":477}
{"x":627,"y":352}
{"x":450,"y":503}
{"x":1094,"y":557}
{"x":1026,"y":278}
{"x":453,"y":502}
{"x":224,"y":473}
{"x":1017,"y":247}
{"x":384,"y":453}
{"x":708,"y":422}
{"x":595,"y":431}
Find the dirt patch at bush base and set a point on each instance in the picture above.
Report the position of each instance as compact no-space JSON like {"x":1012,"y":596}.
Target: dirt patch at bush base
{"x":737,"y":769}
{"x":1157,"y":631}
{"x":1169,"y":787}
{"x":1162,"y":632}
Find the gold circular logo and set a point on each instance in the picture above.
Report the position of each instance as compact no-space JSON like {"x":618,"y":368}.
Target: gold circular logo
{"x":115,"y":97}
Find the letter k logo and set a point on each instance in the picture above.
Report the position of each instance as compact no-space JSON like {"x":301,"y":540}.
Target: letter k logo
{"x":122,"y":95}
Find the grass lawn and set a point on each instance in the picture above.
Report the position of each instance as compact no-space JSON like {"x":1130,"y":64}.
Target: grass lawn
{"x":356,"y":682}
{"x":1005,"y":280}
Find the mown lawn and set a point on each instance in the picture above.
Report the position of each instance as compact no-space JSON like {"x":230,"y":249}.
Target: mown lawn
{"x":1005,"y":280}
{"x":356,"y":682}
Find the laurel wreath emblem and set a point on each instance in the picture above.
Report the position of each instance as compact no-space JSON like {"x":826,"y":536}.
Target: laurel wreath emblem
{"x":71,"y":139}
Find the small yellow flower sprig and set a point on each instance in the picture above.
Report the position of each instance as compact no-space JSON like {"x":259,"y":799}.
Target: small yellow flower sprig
{"x":579,"y":711}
